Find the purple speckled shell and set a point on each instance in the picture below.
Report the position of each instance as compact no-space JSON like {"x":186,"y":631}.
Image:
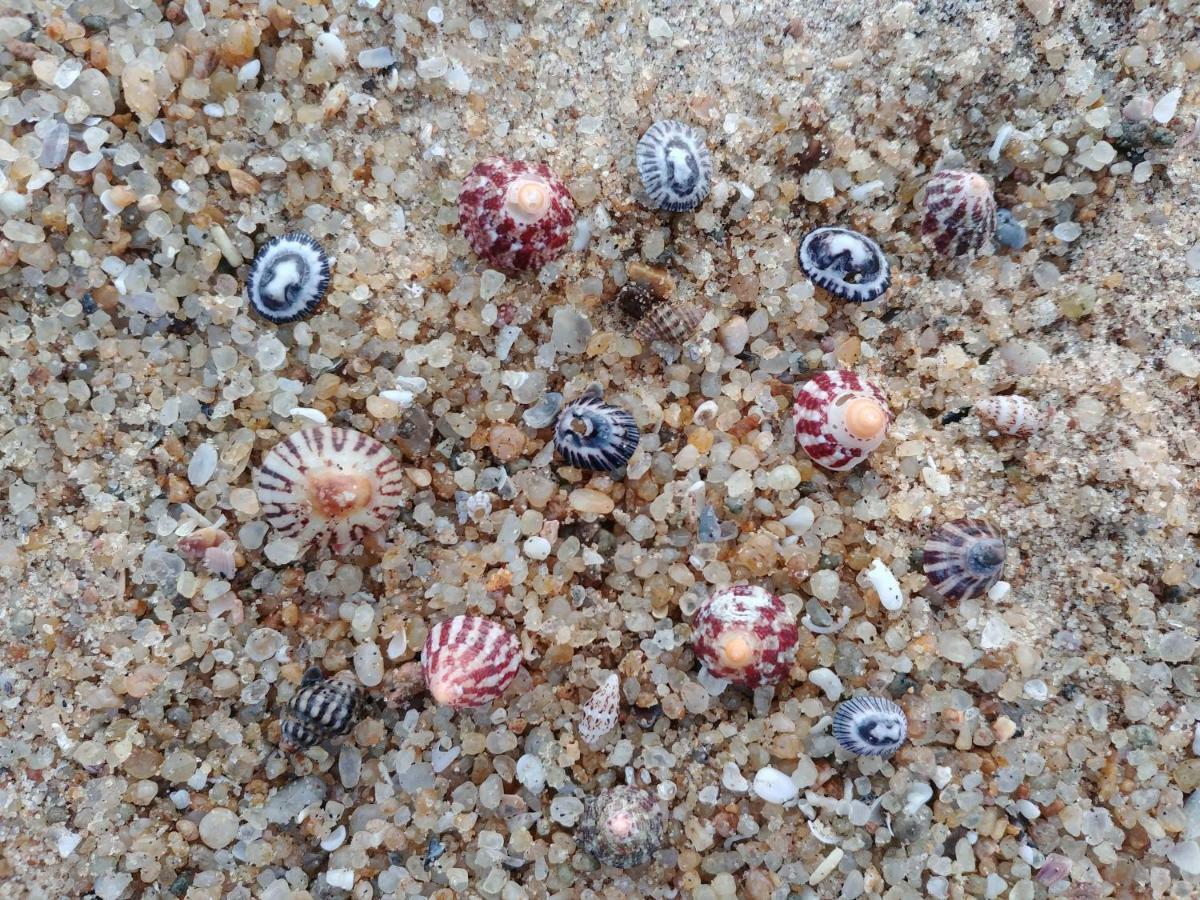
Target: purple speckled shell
{"x":827,"y":444}
{"x":639,"y":833}
{"x":960,"y":212}
{"x":746,"y":608}
{"x":493,"y":232}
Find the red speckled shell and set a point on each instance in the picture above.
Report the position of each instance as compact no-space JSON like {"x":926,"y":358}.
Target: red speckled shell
{"x":960,"y":212}
{"x":744,"y":607}
{"x":469,"y":661}
{"x":499,"y":238}
{"x":827,"y":445}
{"x":1013,"y":415}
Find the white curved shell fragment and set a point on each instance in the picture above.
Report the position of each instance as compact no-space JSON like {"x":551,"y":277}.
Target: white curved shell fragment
{"x":774,"y":786}
{"x":891,"y":597}
{"x":599,"y":715}
{"x":1013,"y":415}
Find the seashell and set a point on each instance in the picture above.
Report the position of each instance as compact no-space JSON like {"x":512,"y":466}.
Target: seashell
{"x":960,"y":212}
{"x":1013,"y":415}
{"x":885,"y":585}
{"x":845,"y":263}
{"x":322,"y":708}
{"x":774,"y":786}
{"x":599,"y":715}
{"x":592,"y":435}
{"x":869,"y":726}
{"x":330,"y":486}
{"x":621,"y":827}
{"x":840,"y":418}
{"x":288,"y":277}
{"x":516,"y":215}
{"x":469,"y":661}
{"x":674,"y":165}
{"x":214,"y":549}
{"x":964,"y":558}
{"x":745,"y":635}
{"x":670,"y":322}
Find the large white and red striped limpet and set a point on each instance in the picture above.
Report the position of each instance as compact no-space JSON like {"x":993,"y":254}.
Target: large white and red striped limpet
{"x":469,"y":661}
{"x":329,"y":486}
{"x":745,"y":634}
{"x":840,"y":418}
{"x":516,"y":215}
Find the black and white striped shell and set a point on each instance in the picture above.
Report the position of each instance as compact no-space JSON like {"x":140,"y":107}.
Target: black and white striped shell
{"x":322,"y":708}
{"x":964,"y":558}
{"x":869,"y":726}
{"x":845,"y":263}
{"x":288,"y":277}
{"x":675,"y":166}
{"x":591,"y":434}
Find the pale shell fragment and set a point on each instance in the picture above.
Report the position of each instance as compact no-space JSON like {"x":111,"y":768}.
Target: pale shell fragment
{"x":774,"y":786}
{"x":821,"y":872}
{"x":885,"y":585}
{"x":599,"y":715}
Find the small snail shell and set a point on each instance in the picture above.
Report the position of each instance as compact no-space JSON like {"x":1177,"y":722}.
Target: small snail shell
{"x":469,"y":661}
{"x":621,"y":827}
{"x":845,"y":263}
{"x":591,"y":434}
{"x":674,"y":165}
{"x":745,"y":634}
{"x":599,"y":715}
{"x":960,"y":212}
{"x":964,"y":558}
{"x":840,"y":418}
{"x":322,"y":708}
{"x":1013,"y":415}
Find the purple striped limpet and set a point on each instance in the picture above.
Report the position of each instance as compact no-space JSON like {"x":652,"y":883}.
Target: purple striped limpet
{"x":964,"y":558}
{"x":960,"y":212}
{"x":329,"y":486}
{"x":469,"y":661}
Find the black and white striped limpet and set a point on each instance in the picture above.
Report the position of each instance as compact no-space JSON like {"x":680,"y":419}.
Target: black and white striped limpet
{"x":675,"y":166}
{"x":591,"y":434}
{"x":845,"y":263}
{"x":870,"y":726}
{"x":288,"y":277}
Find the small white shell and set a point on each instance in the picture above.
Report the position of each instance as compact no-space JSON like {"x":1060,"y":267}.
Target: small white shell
{"x":307,"y":412}
{"x":774,"y":786}
{"x":1013,"y":415}
{"x":599,"y":715}
{"x":288,"y":277}
{"x":885,"y":585}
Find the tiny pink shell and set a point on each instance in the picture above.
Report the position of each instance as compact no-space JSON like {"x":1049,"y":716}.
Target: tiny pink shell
{"x":498,"y":231}
{"x":960,"y":212}
{"x":820,"y":421}
{"x":469,"y":661}
{"x":761,"y":626}
{"x":599,"y":715}
{"x":1013,"y":415}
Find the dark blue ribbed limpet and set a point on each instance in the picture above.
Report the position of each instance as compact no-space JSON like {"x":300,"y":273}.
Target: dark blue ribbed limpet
{"x":675,"y":166}
{"x":288,"y":277}
{"x":964,"y":558}
{"x":870,"y":726}
{"x":845,"y":263}
{"x":591,"y":434}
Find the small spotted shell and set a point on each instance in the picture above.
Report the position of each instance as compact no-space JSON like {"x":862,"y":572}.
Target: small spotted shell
{"x":964,"y":558}
{"x":840,"y":418}
{"x":322,"y":708}
{"x":745,"y":634}
{"x":469,"y":661}
{"x":621,"y":827}
{"x":288,"y":277}
{"x":1013,"y":415}
{"x":960,"y":212}
{"x":870,"y":726}
{"x":599,"y":715}
{"x":591,"y":434}
{"x":674,"y":165}
{"x":845,"y":263}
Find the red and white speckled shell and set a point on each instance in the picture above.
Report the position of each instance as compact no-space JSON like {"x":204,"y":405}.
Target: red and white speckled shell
{"x":495,"y":234}
{"x":821,"y":435}
{"x":469,"y":661}
{"x":960,"y":212}
{"x":599,"y":715}
{"x":1013,"y":415}
{"x":282,"y":488}
{"x":746,"y":608}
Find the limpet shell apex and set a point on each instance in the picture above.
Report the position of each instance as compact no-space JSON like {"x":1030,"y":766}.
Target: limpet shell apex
{"x":621,"y":827}
{"x":288,"y":277}
{"x":469,"y":661}
{"x":847,"y":264}
{"x":675,"y":166}
{"x":964,"y":558}
{"x":960,"y":212}
{"x":870,"y":726}
{"x":745,"y":634}
{"x":840,"y":418}
{"x":591,"y":434}
{"x":516,"y":215}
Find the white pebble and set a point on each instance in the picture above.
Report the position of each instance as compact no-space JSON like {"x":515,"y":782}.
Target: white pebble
{"x":885,"y":585}
{"x":821,"y":872}
{"x":999,"y":591}
{"x":334,"y":839}
{"x":246,"y":73}
{"x":774,"y":787}
{"x":537,"y":547}
{"x":402,"y":398}
{"x":67,"y":842}
{"x":916,"y":797}
{"x":734,"y":335}
{"x":202,"y":464}
{"x":1002,"y":136}
{"x":340,"y":878}
{"x":330,"y":47}
{"x":307,"y":412}
{"x":827,"y":681}
{"x":368,"y":664}
{"x":531,"y":773}
{"x":1164,"y":109}
{"x":799,"y":520}
{"x":732,"y":778}
{"x":376,"y":57}
{"x":861,"y":192}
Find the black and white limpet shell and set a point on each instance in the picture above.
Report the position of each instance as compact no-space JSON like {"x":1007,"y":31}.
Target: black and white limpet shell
{"x":591,"y":434}
{"x":675,"y":166}
{"x":845,"y":263}
{"x":870,"y":726}
{"x":288,"y":277}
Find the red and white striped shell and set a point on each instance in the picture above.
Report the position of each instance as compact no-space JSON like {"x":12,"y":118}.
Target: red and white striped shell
{"x":516,"y":215}
{"x":746,"y":635}
{"x":330,"y":486}
{"x":599,"y":715}
{"x":469,"y":661}
{"x":960,"y":212}
{"x":840,"y":418}
{"x":1013,"y":415}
